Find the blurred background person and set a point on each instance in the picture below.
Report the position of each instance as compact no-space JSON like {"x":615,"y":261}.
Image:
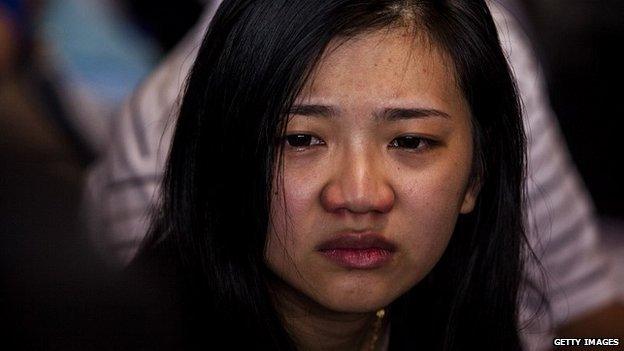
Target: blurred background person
{"x":95,"y":55}
{"x":10,"y":13}
{"x":65,"y":68}
{"x":577,"y":42}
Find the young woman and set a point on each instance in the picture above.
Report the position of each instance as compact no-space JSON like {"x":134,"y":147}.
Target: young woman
{"x":345,"y":175}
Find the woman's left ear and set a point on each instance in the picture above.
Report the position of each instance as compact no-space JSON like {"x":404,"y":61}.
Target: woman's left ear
{"x":470,"y":197}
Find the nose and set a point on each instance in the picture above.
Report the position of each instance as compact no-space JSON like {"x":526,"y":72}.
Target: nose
{"x":358,"y":185}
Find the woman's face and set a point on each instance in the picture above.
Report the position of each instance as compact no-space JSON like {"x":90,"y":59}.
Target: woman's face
{"x":376,"y":169}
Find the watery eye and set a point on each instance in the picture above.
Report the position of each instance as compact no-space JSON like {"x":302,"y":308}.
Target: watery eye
{"x":409,"y":142}
{"x":302,"y":140}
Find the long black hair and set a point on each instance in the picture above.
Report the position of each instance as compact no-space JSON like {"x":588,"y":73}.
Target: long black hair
{"x":212,"y":217}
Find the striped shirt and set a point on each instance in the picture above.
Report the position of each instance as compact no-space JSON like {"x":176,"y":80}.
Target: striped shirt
{"x":561,"y":224}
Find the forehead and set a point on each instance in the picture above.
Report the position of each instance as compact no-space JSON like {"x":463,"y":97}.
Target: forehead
{"x":394,"y":64}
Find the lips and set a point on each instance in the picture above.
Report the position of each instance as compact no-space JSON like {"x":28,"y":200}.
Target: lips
{"x":358,"y":250}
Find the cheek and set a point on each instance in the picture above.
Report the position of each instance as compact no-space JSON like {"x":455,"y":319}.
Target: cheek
{"x":292,"y":211}
{"x":427,"y":211}
{"x":428,"y":216}
{"x":294,"y":195}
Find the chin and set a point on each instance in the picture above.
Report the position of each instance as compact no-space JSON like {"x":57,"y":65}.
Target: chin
{"x":357,"y":306}
{"x":357,"y":299}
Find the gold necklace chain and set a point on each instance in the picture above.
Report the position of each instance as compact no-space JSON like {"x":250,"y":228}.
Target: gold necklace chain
{"x":376,"y":329}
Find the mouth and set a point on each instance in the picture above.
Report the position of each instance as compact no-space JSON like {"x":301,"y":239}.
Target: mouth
{"x":358,"y":250}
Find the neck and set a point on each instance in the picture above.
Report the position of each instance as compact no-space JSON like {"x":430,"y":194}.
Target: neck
{"x":315,"y":327}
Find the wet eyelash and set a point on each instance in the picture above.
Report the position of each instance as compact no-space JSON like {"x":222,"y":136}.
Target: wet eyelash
{"x":421,"y":143}
{"x":302,"y":140}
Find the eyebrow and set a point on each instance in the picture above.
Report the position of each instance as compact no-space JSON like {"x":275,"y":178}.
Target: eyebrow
{"x":313,"y":110}
{"x":388,"y":114}
{"x":396,"y":114}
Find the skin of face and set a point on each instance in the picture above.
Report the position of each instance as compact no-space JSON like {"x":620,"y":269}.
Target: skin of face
{"x":388,"y":151}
